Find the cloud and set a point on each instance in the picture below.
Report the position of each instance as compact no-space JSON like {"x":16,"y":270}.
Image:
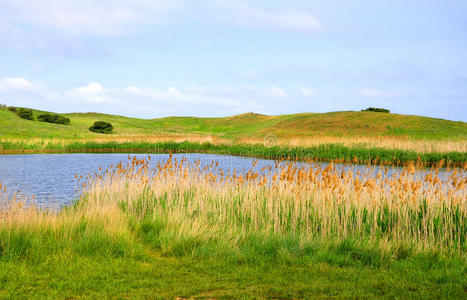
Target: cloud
{"x":375,"y":93}
{"x":93,"y":17}
{"x":307,"y":91}
{"x":290,"y":21}
{"x":278,"y":92}
{"x":174,"y":96}
{"x":16,"y":84}
{"x":92,"y":88}
{"x":87,"y":16}
{"x":91,"y":93}
{"x":247,"y":73}
{"x":242,"y":13}
{"x":144,"y":101}
{"x":223,"y":98}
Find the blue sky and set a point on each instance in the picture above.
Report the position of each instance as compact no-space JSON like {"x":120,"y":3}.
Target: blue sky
{"x":218,"y":58}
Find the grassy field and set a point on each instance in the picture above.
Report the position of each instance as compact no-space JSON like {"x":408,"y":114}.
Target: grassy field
{"x":360,"y":137}
{"x":182,"y":231}
{"x":178,"y":230}
{"x":335,"y":124}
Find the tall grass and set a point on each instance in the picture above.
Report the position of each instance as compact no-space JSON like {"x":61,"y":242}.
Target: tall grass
{"x":322,"y":152}
{"x":286,"y":211}
{"x":31,"y":233}
{"x":289,"y":213}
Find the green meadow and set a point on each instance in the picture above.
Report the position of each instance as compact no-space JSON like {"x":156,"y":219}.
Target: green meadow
{"x":177,"y":232}
{"x":334,"y":124}
{"x":358,"y":137}
{"x":185,"y":233}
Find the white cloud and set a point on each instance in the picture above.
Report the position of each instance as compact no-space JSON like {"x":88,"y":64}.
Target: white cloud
{"x":16,"y":84}
{"x":174,"y":96}
{"x":375,"y":93}
{"x":307,"y":91}
{"x":92,"y":93}
{"x":133,"y":90}
{"x":248,"y":73}
{"x":144,"y":101}
{"x":88,"y":16}
{"x":290,"y":21}
{"x":95,"y":93}
{"x":278,"y":92}
{"x":92,"y":88}
{"x":244,"y":14}
{"x":62,"y":27}
{"x":113,"y":17}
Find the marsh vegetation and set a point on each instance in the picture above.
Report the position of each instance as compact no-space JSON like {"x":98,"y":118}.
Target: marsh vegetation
{"x":295,"y":216}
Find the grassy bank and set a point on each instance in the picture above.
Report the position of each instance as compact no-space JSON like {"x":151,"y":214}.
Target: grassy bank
{"x":325,"y":152}
{"x":361,"y":137}
{"x":179,"y":230}
{"x":245,"y":126}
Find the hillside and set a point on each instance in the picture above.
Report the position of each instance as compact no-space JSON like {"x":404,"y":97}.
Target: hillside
{"x":348,"y":123}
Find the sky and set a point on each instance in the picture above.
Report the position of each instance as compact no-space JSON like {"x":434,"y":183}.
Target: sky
{"x":215,"y":58}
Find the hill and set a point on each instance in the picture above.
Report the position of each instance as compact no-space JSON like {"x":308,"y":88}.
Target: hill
{"x":335,"y":124}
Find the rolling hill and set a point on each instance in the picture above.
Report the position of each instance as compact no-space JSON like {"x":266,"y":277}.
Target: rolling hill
{"x":345,"y":123}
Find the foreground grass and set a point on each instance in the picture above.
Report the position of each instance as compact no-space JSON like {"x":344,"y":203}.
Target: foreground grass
{"x":151,"y":276}
{"x":177,"y":230}
{"x":77,"y":257}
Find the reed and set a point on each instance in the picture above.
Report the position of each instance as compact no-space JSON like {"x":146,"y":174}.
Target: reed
{"x":288,"y":209}
{"x":383,"y":142}
{"x":322,"y":152}
{"x":307,"y":227}
{"x":34,"y":233}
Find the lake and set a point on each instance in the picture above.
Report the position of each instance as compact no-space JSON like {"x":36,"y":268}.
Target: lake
{"x":51,"y":177}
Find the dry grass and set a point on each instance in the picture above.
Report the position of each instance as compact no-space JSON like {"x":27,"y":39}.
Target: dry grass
{"x":307,"y":203}
{"x":420,"y":146}
{"x":400,"y":143}
{"x":198,"y":207}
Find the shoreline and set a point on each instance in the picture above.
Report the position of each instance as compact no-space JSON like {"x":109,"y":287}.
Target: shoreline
{"x":325,"y":152}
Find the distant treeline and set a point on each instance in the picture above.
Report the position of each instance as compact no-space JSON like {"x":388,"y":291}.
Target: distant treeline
{"x":27,"y":114}
{"x":376,"y":109}
{"x":51,"y":118}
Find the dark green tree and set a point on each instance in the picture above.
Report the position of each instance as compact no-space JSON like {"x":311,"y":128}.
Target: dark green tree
{"x":101,"y":127}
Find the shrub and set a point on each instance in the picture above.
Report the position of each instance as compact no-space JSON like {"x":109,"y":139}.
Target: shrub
{"x":13,"y":109}
{"x":375,"y":109}
{"x":51,"y":118}
{"x":101,"y":127}
{"x":3,"y":106}
{"x":25,"y":114}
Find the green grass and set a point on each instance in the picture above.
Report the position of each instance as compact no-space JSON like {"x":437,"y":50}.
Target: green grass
{"x":155,"y":277}
{"x":86,"y":262}
{"x":339,"y":124}
{"x":55,"y":138}
{"x":326,"y":152}
{"x":186,"y":238}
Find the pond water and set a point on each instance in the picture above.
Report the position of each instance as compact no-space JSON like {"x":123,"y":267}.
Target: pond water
{"x":51,"y":177}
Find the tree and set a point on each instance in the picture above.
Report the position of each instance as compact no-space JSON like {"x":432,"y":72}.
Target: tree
{"x":51,"y":118}
{"x":101,"y":127}
{"x":375,"y":109}
{"x":25,"y":114}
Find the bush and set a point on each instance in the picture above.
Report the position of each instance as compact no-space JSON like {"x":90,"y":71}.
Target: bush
{"x":3,"y":106}
{"x":51,"y":118}
{"x":375,"y":109}
{"x":101,"y":127}
{"x":13,"y":109}
{"x":25,"y":114}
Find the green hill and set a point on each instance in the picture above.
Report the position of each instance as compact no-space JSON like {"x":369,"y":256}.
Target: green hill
{"x":346,"y":123}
